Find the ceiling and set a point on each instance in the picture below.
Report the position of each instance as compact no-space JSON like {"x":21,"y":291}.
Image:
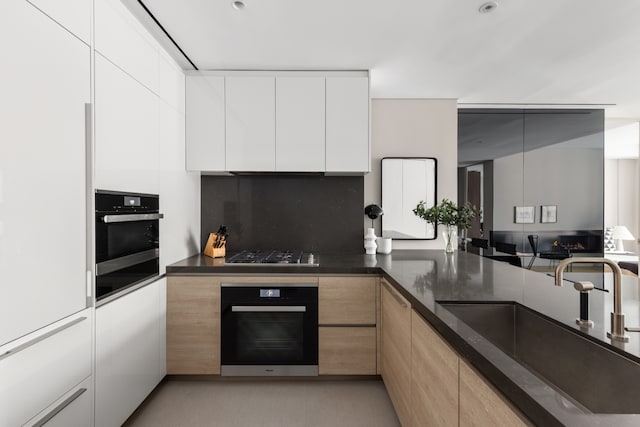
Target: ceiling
{"x":524,"y":52}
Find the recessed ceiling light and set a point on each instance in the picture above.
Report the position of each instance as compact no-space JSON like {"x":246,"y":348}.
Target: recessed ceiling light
{"x":488,"y":7}
{"x":238,"y":4}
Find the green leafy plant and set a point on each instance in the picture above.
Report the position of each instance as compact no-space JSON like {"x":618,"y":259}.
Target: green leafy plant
{"x":447,"y":213}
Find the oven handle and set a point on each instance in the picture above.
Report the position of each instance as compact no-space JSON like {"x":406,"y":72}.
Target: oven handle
{"x":131,"y":217}
{"x":112,"y":265}
{"x":268,"y":308}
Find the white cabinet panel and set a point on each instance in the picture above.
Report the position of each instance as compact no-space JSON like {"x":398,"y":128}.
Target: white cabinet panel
{"x":300,"y":122}
{"x":74,"y":15}
{"x":250,"y":124}
{"x":205,"y":123}
{"x":44,"y":88}
{"x":347,"y":124}
{"x":128,"y":354}
{"x":124,"y":41}
{"x":179,"y":193}
{"x":126,"y":129}
{"x":74,"y":409}
{"x":43,"y":366}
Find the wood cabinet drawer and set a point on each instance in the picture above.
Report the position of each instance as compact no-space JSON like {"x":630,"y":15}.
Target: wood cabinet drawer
{"x":347,"y":350}
{"x":347,"y":300}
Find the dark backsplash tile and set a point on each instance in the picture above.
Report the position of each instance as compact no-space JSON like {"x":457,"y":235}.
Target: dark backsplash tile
{"x":322,"y":214}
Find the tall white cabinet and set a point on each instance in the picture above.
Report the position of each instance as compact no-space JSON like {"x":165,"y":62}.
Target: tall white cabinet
{"x":45,"y":85}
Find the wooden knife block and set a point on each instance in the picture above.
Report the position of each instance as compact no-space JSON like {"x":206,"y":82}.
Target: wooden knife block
{"x":212,"y":252}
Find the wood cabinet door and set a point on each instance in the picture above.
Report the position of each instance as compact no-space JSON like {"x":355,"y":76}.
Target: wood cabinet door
{"x":434,"y":377}
{"x":347,"y":350}
{"x":347,"y":300}
{"x":193,"y":325}
{"x":396,"y":350}
{"x":480,"y":405}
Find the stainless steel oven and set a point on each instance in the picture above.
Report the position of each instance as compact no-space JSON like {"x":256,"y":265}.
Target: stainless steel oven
{"x":127,"y":240}
{"x":269,"y":329}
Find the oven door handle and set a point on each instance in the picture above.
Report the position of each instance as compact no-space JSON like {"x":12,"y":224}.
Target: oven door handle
{"x":112,"y":265}
{"x":131,"y":217}
{"x":268,"y":308}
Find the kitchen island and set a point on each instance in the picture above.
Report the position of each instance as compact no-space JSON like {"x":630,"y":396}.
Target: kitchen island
{"x":425,"y":278}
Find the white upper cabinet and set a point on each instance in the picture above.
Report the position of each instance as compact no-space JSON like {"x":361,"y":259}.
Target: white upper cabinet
{"x":300,"y":111}
{"x":205,"y":127}
{"x":74,"y":15}
{"x":44,"y":88}
{"x":126,"y":132}
{"x":121,"y":39}
{"x":347,"y":124}
{"x":250,"y":123}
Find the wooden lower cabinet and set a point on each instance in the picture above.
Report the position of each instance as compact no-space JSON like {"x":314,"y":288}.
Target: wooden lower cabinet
{"x":395,"y":351}
{"x":434,"y":377}
{"x":193,"y":325}
{"x":347,"y":300}
{"x":347,"y":350}
{"x":480,"y":405}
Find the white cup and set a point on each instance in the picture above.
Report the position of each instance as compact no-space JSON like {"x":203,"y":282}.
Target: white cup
{"x":384,"y":245}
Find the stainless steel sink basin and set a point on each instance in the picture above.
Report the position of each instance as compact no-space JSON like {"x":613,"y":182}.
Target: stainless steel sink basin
{"x":593,"y":376}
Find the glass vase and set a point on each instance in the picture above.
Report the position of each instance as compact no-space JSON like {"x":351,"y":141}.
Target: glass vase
{"x":449,"y":238}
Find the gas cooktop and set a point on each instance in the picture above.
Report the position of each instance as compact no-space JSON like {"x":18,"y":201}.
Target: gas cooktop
{"x":295,"y":258}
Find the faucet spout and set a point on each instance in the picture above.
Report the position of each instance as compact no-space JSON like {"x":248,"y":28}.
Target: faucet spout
{"x":617,"y":318}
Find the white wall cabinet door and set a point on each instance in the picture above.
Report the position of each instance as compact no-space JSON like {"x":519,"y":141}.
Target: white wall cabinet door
{"x":347,"y":124}
{"x":74,"y":15}
{"x":300,"y":123}
{"x":126,"y":129}
{"x":250,"y":123}
{"x":205,"y":123}
{"x":44,"y":88}
{"x":129,"y":347}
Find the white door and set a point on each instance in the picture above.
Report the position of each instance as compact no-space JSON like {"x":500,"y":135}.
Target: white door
{"x":45,"y":85}
{"x":250,"y":120}
{"x":129,"y":352}
{"x":74,"y":15}
{"x":348,"y":124}
{"x":300,"y":124}
{"x":126,"y":146}
{"x":205,"y":131}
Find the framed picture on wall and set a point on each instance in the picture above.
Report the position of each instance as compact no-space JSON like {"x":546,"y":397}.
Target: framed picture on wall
{"x":548,"y":214}
{"x":524,"y":214}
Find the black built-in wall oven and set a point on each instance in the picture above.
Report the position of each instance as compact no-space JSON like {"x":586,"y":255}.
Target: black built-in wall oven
{"x":127,"y":240}
{"x":269,"y":329}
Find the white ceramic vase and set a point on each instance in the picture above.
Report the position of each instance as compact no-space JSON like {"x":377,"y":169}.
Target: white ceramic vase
{"x":370,"y":242}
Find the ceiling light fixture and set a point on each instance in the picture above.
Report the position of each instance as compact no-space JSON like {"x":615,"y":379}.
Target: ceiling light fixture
{"x":488,"y":7}
{"x":238,"y":4}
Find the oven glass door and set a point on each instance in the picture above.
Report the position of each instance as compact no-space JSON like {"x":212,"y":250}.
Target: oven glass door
{"x":119,"y":239}
{"x":269,"y":331}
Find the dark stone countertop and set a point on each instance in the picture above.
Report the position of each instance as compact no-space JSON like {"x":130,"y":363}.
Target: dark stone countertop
{"x":424,"y":277}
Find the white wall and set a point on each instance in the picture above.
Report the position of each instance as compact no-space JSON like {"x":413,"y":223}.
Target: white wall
{"x":413,"y":128}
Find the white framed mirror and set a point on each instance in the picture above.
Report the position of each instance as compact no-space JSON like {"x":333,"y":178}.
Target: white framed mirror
{"x":406,"y":181}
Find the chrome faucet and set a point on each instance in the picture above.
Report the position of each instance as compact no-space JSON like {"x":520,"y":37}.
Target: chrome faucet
{"x":617,"y":318}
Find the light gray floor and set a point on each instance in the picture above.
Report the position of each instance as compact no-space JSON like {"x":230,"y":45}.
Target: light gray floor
{"x":267,"y":403}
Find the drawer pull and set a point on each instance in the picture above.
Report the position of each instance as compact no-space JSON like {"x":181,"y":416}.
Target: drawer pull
{"x":394,"y":294}
{"x":40,"y":338}
{"x":59,"y":408}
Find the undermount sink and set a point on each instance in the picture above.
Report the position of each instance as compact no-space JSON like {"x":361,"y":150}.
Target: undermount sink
{"x":593,"y":376}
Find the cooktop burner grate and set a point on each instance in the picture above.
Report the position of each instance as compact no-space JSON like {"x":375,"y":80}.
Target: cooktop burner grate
{"x":295,"y":257}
